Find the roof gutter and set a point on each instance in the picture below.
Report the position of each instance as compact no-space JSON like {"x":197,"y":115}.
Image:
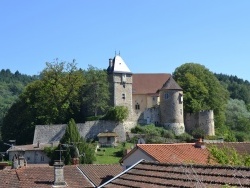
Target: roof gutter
{"x":121,"y":173}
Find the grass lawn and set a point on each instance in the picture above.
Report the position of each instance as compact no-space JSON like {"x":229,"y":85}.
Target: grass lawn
{"x":111,"y":155}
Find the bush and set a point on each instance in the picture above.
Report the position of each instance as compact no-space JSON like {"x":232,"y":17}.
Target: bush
{"x":185,"y":137}
{"x":117,"y":113}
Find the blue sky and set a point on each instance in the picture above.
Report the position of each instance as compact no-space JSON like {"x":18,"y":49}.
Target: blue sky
{"x":154,"y":36}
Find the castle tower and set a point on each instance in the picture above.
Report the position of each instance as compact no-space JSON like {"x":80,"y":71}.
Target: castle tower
{"x":171,"y":106}
{"x":120,"y":80}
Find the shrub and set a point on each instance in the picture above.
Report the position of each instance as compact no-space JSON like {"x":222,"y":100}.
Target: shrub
{"x":117,"y":113}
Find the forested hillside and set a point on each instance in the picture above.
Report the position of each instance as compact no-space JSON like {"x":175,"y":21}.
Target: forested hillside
{"x":11,"y":85}
{"x":237,"y":87}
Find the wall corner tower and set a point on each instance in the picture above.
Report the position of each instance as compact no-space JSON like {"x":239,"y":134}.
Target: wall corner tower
{"x":171,"y":107}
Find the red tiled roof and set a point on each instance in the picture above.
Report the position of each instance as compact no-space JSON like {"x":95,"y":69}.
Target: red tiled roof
{"x":148,"y":83}
{"x":8,"y":178}
{"x":241,"y":147}
{"x":153,"y":174}
{"x":41,"y":177}
{"x":99,"y":174}
{"x":175,"y":153}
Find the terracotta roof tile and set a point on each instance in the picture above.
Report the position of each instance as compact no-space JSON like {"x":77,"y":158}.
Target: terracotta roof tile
{"x":153,"y":174}
{"x":175,"y":153}
{"x":8,"y":178}
{"x":99,"y":174}
{"x":42,"y":177}
{"x":240,"y":147}
{"x":148,"y":83}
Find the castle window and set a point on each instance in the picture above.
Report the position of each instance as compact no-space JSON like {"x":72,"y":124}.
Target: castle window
{"x":123,"y":96}
{"x":137,"y":106}
{"x":42,"y":158}
{"x":166,"y":96}
{"x":181,"y":111}
{"x":181,"y":98}
{"x":124,"y":85}
{"x":124,"y":78}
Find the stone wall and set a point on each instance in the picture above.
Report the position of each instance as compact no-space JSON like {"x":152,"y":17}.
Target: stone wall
{"x":88,"y":130}
{"x":203,"y":120}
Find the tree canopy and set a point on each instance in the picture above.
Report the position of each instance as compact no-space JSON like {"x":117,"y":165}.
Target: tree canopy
{"x":62,"y":92}
{"x":95,"y":93}
{"x":202,"y":90}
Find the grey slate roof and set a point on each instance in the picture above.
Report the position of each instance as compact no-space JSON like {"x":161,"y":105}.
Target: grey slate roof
{"x":171,"y":84}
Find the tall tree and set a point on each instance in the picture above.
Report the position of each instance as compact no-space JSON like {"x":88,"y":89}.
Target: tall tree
{"x":53,"y":99}
{"x":76,"y":146}
{"x":95,"y":91}
{"x":202,"y":91}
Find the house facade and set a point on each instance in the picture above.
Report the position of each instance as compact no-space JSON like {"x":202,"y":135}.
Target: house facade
{"x":32,"y":154}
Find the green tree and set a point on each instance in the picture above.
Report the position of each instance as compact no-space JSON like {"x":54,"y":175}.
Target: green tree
{"x":237,"y":115}
{"x":202,"y":91}
{"x":96,"y":90}
{"x":53,"y":99}
{"x":76,"y":146}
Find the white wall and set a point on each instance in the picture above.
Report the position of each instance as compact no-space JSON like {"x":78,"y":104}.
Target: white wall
{"x":135,"y":157}
{"x":31,"y":156}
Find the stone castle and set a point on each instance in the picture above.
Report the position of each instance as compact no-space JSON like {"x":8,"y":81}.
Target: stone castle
{"x":154,"y":98}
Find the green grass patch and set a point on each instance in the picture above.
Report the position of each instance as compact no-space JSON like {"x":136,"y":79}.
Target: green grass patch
{"x":111,"y":155}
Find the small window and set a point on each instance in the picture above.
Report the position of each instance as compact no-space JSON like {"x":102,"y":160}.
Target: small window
{"x":181,"y":98}
{"x":28,"y":158}
{"x":124,"y":85}
{"x":153,"y":98}
{"x":137,"y":106}
{"x":123,"y":96}
{"x":124,"y":78}
{"x":108,"y":138}
{"x":166,"y":96}
{"x":42,"y":158}
{"x":181,"y":111}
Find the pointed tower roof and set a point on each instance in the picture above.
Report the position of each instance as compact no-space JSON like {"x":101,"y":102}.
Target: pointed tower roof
{"x":171,"y":84}
{"x":118,"y":66}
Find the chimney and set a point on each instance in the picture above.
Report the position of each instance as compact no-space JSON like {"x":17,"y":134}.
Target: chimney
{"x":59,"y":174}
{"x":15,"y":163}
{"x":200,"y":144}
{"x":21,"y":161}
{"x":110,"y":63}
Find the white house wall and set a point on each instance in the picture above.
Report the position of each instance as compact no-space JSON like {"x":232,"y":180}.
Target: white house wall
{"x":135,"y":157}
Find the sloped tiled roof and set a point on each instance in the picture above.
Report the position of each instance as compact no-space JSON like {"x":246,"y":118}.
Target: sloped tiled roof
{"x":174,"y":153}
{"x":8,"y":178}
{"x":30,"y":147}
{"x":112,"y":134}
{"x":152,"y":174}
{"x":171,"y":84}
{"x":98,"y":174}
{"x":241,"y":147}
{"x":148,"y":83}
{"x":42,"y":177}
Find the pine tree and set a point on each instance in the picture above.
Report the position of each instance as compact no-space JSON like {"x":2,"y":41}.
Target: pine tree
{"x":76,"y":146}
